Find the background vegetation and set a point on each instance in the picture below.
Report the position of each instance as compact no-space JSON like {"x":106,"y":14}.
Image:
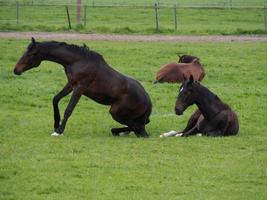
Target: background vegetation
{"x":208,"y":19}
{"x":88,"y":163}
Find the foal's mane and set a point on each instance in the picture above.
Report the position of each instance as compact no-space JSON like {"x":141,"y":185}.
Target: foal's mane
{"x":81,"y":50}
{"x":208,"y":94}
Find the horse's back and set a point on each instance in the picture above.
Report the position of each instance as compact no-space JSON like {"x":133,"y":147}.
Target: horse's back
{"x":233,"y":123}
{"x":171,"y":73}
{"x":176,"y":72}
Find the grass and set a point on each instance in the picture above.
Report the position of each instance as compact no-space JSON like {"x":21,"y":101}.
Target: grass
{"x":129,"y":20}
{"x":145,"y":2}
{"x":88,"y":163}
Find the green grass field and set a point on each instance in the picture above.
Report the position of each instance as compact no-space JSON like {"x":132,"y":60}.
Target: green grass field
{"x":88,"y":163}
{"x":131,"y":20}
{"x":145,"y":2}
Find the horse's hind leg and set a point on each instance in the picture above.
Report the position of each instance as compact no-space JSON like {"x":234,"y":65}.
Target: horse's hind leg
{"x":217,"y":133}
{"x":117,"y":131}
{"x":140,"y":131}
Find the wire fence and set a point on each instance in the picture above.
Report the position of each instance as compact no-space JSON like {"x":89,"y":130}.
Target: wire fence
{"x":149,"y":3}
{"x":125,"y":18}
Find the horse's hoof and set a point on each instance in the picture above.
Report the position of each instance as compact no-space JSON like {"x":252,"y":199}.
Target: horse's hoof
{"x":179,"y":135}
{"x":168,"y":134}
{"x":56,"y":134}
{"x":124,"y":133}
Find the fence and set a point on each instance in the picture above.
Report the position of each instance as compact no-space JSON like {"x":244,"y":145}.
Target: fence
{"x":176,"y":19}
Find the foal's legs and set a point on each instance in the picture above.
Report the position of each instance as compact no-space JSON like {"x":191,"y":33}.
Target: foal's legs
{"x":64,"y":92}
{"x":76,"y":95}
{"x":117,"y":131}
{"x":192,"y":131}
{"x":192,"y":121}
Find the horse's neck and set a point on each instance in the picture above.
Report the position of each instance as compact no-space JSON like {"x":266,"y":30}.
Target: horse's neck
{"x":207,"y":104}
{"x":59,"y":55}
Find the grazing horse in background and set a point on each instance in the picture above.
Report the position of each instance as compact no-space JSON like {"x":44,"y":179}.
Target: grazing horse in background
{"x":187,"y":58}
{"x":175,"y":72}
{"x":88,"y":74}
{"x":213,"y":117}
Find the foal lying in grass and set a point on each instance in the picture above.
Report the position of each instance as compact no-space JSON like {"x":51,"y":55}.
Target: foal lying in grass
{"x":213,"y":117}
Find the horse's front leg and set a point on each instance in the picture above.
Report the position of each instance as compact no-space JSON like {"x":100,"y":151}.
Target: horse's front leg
{"x":64,"y":92}
{"x":76,"y":95}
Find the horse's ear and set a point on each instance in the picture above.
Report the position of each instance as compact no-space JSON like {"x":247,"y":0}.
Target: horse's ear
{"x":33,"y":40}
{"x":191,"y":79}
{"x":196,"y":61}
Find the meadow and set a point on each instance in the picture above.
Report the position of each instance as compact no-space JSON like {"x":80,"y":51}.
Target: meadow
{"x":89,"y":163}
{"x":134,"y":20}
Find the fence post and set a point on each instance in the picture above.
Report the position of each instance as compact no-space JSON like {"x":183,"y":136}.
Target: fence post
{"x":17,"y":11}
{"x":265,"y":19}
{"x":84,"y":17}
{"x":68,"y":16}
{"x":157,"y":17}
{"x":78,"y":11}
{"x":175,"y":17}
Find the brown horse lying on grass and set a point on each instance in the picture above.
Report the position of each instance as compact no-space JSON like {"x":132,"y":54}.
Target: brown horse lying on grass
{"x":175,"y":72}
{"x":213,"y":117}
{"x":89,"y":74}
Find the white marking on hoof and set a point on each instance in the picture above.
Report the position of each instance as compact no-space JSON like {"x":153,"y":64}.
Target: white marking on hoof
{"x":199,"y":134}
{"x":168,"y":134}
{"x":56,"y":134}
{"x":179,"y":135}
{"x":125,"y":133}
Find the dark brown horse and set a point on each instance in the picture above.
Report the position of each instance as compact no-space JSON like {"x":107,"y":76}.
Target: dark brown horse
{"x":175,"y":72}
{"x":88,"y":74}
{"x":213,"y":117}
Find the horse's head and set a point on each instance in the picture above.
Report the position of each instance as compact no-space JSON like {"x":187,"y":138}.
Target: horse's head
{"x":187,"y":58}
{"x":186,"y":96}
{"x":30,"y":59}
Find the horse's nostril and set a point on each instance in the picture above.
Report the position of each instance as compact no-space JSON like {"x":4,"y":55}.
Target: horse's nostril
{"x":178,"y":111}
{"x":17,"y":72}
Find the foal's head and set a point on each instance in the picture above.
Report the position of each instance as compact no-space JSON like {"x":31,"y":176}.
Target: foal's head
{"x":31,"y":58}
{"x":187,"y":95}
{"x":187,"y":58}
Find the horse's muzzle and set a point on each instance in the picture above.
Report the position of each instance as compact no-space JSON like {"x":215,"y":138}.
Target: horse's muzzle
{"x":178,"y":111}
{"x":17,"y":71}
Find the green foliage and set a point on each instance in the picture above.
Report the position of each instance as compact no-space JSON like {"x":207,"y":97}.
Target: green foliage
{"x":134,"y":20}
{"x":88,"y":163}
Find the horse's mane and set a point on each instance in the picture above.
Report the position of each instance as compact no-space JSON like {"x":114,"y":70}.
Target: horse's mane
{"x":208,"y":94}
{"x":82,"y":50}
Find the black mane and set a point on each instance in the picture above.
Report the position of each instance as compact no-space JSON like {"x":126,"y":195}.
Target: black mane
{"x":81,"y":50}
{"x":205,"y":91}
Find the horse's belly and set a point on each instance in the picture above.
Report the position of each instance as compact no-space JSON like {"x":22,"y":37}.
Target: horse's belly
{"x":101,"y":99}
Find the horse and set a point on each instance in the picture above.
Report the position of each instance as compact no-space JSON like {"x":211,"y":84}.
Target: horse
{"x":89,"y":74}
{"x":175,"y":72}
{"x":212,"y":118}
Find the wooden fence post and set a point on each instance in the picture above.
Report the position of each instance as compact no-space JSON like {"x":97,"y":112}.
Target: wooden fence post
{"x":17,"y":11}
{"x":84,"y":17}
{"x":175,"y":17}
{"x":68,"y":16}
{"x":265,"y":19}
{"x":78,"y":11}
{"x":157,"y":17}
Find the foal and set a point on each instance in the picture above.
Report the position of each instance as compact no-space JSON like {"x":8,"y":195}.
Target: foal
{"x":88,"y":74}
{"x":175,"y":72}
{"x":213,"y":117}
